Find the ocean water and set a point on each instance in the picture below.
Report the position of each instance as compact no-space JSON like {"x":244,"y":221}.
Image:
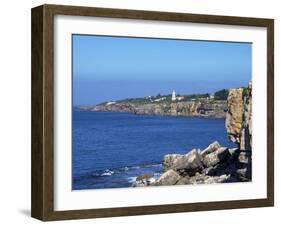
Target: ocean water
{"x":111,"y":149}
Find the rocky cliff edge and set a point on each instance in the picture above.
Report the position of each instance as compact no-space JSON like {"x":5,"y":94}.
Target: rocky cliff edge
{"x":215,"y":164}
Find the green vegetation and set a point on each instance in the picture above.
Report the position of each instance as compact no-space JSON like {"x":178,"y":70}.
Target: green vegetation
{"x":245,"y":92}
{"x":221,"y":94}
{"x":196,"y":96}
{"x":167,"y":99}
{"x":163,"y":99}
{"x":134,"y":101}
{"x":146,"y":100}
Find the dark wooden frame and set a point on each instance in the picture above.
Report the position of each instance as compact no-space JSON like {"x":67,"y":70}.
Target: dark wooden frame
{"x":42,"y":203}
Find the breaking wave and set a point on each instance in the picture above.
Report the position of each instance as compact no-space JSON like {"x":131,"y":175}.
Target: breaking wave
{"x":126,"y":169}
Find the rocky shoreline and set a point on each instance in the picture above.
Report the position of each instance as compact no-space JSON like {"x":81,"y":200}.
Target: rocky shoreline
{"x":195,"y":108}
{"x":215,"y":164}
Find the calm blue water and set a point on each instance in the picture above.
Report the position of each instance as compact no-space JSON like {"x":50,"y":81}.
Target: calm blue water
{"x":111,"y":149}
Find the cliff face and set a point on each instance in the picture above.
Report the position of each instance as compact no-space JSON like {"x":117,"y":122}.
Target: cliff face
{"x":215,"y":164}
{"x":201,"y":108}
{"x":239,"y":117}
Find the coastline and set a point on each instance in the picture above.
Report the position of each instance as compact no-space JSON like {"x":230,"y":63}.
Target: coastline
{"x":214,"y":164}
{"x":203,"y":108}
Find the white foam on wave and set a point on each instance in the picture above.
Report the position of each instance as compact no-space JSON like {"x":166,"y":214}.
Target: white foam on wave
{"x":132,"y":179}
{"x":157,"y":175}
{"x":107,"y":173}
{"x":135,"y":167}
{"x":153,"y":165}
{"x":126,"y":168}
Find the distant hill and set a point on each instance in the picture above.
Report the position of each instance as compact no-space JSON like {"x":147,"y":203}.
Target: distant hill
{"x":196,"y":105}
{"x":219,"y":95}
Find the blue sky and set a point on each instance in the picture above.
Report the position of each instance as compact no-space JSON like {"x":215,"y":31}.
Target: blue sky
{"x":108,"y":68}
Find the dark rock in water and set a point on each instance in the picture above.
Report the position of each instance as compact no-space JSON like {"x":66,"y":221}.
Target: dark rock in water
{"x":144,"y":180}
{"x":144,"y":177}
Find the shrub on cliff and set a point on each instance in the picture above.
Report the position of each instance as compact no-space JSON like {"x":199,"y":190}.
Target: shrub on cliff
{"x":221,"y":94}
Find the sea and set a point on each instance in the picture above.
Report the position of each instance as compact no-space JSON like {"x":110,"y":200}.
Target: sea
{"x":110,"y":149}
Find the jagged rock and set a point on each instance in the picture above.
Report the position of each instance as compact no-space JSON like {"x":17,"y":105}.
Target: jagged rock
{"x":183,"y":181}
{"x":244,"y":174}
{"x":203,"y":179}
{"x":244,"y":157}
{"x":229,"y":168}
{"x":218,"y":179}
{"x":190,"y":162}
{"x":246,"y":133}
{"x":240,"y":161}
{"x":212,"y":147}
{"x":234,"y":115}
{"x":239,"y":117}
{"x":170,"y":177}
{"x":233,"y":151}
{"x":216,"y":156}
{"x":198,"y":179}
{"x":211,"y":171}
{"x":169,"y":160}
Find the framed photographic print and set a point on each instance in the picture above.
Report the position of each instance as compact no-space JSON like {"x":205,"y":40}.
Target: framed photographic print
{"x":142,"y":112}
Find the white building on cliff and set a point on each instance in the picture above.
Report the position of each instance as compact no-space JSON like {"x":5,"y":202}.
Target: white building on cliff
{"x":174,"y":98}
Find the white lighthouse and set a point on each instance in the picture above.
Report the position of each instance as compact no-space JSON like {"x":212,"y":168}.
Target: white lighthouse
{"x":174,"y":98}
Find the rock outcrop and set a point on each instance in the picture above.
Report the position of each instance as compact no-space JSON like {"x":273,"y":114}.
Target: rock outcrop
{"x":190,"y":163}
{"x":170,"y":177}
{"x":196,"y":108}
{"x":239,"y":117}
{"x":234,"y":115}
{"x":216,"y":164}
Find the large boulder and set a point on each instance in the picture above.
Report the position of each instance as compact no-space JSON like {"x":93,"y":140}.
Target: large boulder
{"x":190,"y":162}
{"x":216,"y":157}
{"x":170,"y":177}
{"x":212,"y":147}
